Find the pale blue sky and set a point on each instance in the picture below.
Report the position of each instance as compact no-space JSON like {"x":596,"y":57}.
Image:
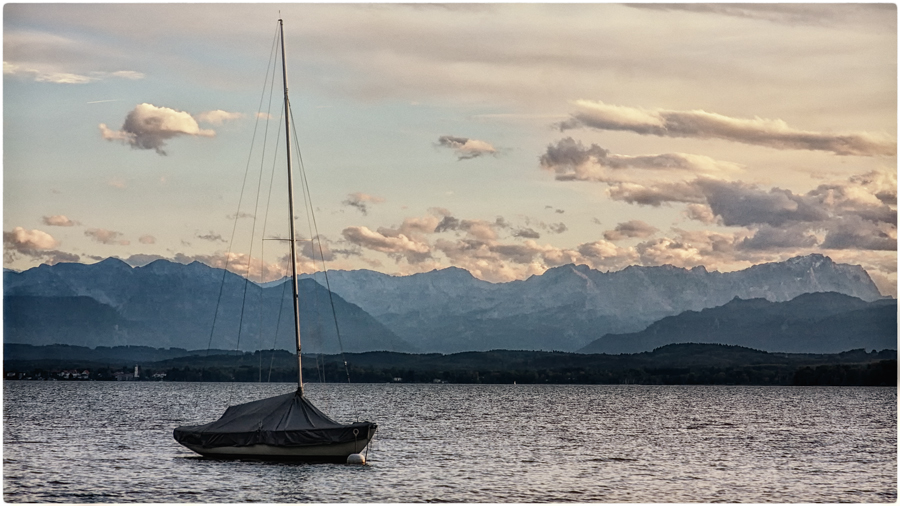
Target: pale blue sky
{"x":733,"y":135}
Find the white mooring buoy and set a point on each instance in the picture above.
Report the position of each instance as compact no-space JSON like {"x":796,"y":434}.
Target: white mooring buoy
{"x":356,"y":458}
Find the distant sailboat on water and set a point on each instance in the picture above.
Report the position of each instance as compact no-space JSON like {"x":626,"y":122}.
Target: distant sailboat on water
{"x":288,"y":426}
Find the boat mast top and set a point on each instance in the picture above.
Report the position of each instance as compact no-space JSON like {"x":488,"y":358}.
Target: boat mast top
{"x":293,"y":241}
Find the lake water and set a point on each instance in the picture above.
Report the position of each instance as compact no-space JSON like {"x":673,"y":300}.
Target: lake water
{"x":112,"y":442}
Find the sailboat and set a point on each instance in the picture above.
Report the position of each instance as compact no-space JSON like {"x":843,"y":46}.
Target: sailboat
{"x":288,"y":426}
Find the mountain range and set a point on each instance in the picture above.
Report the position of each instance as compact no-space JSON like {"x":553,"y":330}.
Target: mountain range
{"x":166,"y":304}
{"x":570,"y":306}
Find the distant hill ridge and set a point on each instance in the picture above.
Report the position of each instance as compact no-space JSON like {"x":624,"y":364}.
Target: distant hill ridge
{"x":114,"y":354}
{"x":827,"y":322}
{"x":166,"y":304}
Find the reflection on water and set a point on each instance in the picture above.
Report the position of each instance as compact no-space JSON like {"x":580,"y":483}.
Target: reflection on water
{"x":112,"y":442}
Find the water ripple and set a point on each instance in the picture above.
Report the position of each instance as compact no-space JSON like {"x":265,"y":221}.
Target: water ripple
{"x":111,"y":442}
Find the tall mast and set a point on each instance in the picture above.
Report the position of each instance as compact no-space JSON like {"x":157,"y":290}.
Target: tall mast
{"x":287,"y":130}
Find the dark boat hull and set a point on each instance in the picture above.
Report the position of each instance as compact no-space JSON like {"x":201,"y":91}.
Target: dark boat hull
{"x":314,"y":453}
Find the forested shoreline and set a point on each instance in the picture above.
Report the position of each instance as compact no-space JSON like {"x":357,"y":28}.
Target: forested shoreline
{"x":680,"y":364}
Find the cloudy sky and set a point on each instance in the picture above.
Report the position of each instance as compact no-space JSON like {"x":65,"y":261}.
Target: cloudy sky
{"x":503,"y":139}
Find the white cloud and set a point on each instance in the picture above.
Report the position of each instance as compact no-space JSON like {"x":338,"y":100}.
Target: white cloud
{"x":466,"y":148}
{"x":361,"y":201}
{"x":105,"y":236}
{"x":606,"y":255}
{"x":701,"y":213}
{"x":615,"y":117}
{"x":128,"y":74}
{"x":396,"y":247}
{"x":147,"y":239}
{"x":36,"y":244}
{"x":218,"y":116}
{"x":655,"y":194}
{"x":57,"y":77}
{"x":59,"y":220}
{"x":630,"y":229}
{"x":21,"y":239}
{"x":414,"y":227}
{"x":480,"y":230}
{"x":149,"y":127}
{"x":706,"y":125}
{"x":694,"y":248}
{"x":571,"y":161}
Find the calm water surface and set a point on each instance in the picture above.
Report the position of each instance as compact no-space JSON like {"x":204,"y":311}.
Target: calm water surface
{"x":112,"y":442}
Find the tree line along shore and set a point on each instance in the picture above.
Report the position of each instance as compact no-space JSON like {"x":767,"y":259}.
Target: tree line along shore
{"x":678,"y":364}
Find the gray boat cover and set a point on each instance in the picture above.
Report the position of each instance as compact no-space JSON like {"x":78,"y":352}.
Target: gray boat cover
{"x":286,"y":420}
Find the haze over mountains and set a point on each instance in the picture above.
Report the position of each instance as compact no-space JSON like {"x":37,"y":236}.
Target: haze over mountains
{"x":567,"y":308}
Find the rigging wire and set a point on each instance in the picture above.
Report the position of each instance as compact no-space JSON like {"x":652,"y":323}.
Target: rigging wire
{"x":278,"y":323}
{"x":252,"y":235}
{"x":320,"y":372}
{"x":314,"y":235}
{"x":312,"y":216}
{"x":240,"y":202}
{"x":262,"y":253}
{"x":262,"y":160}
